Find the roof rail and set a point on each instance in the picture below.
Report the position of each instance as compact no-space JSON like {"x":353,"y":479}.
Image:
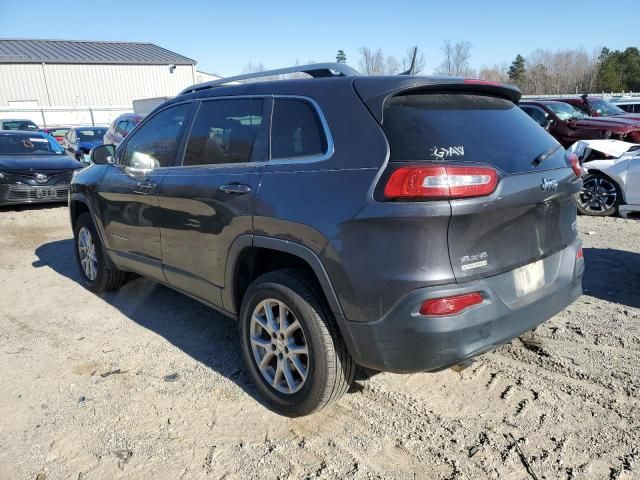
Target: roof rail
{"x":315,"y":70}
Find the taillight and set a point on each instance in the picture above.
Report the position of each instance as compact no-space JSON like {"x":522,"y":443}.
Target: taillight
{"x":441,"y":182}
{"x":438,"y":307}
{"x":579,"y":254}
{"x":574,"y":163}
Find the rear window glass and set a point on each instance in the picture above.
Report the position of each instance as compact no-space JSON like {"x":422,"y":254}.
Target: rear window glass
{"x":296,"y":130}
{"x":448,"y":127}
{"x":19,"y":125}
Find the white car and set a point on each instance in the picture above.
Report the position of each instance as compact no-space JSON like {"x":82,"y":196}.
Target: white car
{"x":611,"y":177}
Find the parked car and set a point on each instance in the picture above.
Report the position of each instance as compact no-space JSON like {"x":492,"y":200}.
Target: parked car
{"x":79,"y":141}
{"x":33,"y":168}
{"x":568,"y":125}
{"x":599,"y":107}
{"x":628,"y":104}
{"x":611,"y":177}
{"x":56,"y":132}
{"x":402,"y":223}
{"x":121,"y":127}
{"x":18,"y":124}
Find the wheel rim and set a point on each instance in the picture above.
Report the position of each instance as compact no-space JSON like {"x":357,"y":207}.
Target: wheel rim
{"x":598,"y":195}
{"x":279,"y":347}
{"x":87,"y":253}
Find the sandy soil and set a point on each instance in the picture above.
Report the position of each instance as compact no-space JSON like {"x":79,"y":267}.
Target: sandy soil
{"x":144,"y":383}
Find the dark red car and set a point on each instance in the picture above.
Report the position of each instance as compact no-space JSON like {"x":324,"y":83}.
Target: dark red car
{"x":568,"y":125}
{"x":56,"y":132}
{"x":599,"y":107}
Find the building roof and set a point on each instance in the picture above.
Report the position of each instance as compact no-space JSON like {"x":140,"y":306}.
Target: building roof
{"x":79,"y":51}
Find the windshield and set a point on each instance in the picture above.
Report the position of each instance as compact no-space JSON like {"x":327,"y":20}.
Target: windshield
{"x":90,"y":134}
{"x":564,"y":111}
{"x":605,"y":109}
{"x":29,"y":144}
{"x":19,"y":125}
{"x":58,"y":132}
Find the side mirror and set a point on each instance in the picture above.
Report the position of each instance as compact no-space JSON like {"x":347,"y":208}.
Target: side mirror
{"x":103,"y":154}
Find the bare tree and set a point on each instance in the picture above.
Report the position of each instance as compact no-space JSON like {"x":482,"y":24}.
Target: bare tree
{"x":372,"y":62}
{"x":497,"y":73}
{"x":562,"y":71}
{"x":456,"y":59}
{"x":392,"y":66}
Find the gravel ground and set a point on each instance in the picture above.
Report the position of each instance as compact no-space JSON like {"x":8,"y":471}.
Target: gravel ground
{"x":146,"y":383}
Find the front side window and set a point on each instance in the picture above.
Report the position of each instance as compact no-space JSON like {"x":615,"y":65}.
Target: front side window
{"x":296,"y":130}
{"x":154,"y":145}
{"x":225,"y":131}
{"x":122,"y":127}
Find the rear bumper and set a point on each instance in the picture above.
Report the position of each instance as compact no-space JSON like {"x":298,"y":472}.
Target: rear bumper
{"x":13,"y":194}
{"x":405,"y":341}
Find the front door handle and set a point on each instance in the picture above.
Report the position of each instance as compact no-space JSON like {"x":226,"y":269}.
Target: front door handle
{"x":145,"y":187}
{"x":235,"y":188}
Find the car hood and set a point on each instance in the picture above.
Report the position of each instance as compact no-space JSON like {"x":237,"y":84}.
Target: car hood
{"x":38,"y":162}
{"x":608,"y":123}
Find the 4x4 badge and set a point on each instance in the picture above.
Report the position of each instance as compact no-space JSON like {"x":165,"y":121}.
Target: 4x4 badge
{"x":549,"y":185}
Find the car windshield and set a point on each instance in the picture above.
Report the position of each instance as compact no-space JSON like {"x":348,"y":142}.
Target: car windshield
{"x":564,"y":111}
{"x":606,"y":109}
{"x":58,"y":132}
{"x":19,"y":125}
{"x":29,"y":144}
{"x":89,"y":134}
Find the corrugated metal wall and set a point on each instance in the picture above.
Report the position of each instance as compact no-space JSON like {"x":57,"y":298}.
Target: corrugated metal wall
{"x":92,"y":85}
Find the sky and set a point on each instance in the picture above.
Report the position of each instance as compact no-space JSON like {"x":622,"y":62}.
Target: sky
{"x":223,"y":37}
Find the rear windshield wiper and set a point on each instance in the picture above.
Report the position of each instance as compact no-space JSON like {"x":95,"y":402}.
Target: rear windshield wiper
{"x":543,"y":156}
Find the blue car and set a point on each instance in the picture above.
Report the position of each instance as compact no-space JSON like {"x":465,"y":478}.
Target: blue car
{"x":79,"y":141}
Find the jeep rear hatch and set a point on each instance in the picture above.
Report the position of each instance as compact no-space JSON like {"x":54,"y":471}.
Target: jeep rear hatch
{"x":508,"y":183}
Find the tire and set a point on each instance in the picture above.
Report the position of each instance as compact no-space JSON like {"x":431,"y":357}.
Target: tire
{"x":329,"y":367}
{"x":103,"y":275}
{"x":600,"y":196}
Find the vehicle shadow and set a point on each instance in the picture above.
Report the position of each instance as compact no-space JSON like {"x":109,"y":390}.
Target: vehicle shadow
{"x":200,"y":332}
{"x":612,"y":275}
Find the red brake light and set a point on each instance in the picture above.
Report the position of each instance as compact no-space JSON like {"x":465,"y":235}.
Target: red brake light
{"x":579,"y":254}
{"x":574,"y":163}
{"x":437,"y":307}
{"x":441,"y":182}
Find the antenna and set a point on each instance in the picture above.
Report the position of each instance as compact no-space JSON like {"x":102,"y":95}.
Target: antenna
{"x":412,"y":68}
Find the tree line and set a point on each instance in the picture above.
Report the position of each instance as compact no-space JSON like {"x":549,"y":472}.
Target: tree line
{"x":542,"y":71}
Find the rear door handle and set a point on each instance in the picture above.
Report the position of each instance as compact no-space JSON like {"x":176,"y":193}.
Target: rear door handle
{"x":235,"y":188}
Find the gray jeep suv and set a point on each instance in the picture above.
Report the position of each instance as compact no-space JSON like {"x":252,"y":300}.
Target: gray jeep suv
{"x":401,"y":223}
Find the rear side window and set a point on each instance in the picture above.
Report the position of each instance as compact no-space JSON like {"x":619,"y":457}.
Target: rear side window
{"x":455,"y":127}
{"x":296,"y":130}
{"x":225,"y":131}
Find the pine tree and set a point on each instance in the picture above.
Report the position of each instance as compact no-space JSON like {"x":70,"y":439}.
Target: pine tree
{"x":517,"y":70}
{"x":341,"y":57}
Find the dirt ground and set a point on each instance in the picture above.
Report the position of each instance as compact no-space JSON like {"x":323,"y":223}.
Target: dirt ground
{"x":144,"y":383}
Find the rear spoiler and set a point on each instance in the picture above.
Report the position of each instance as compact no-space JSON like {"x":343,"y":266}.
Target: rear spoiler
{"x":375,"y":91}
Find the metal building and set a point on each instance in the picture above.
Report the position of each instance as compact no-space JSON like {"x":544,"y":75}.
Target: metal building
{"x":52,"y":73}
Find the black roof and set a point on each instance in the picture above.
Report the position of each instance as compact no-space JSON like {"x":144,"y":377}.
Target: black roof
{"x":87,"y":52}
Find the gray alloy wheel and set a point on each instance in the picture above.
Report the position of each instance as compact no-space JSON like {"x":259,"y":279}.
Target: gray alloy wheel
{"x":87,"y":253}
{"x":279,"y":346}
{"x":599,"y":196}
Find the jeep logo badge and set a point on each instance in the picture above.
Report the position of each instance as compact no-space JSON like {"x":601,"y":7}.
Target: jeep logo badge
{"x":549,"y":185}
